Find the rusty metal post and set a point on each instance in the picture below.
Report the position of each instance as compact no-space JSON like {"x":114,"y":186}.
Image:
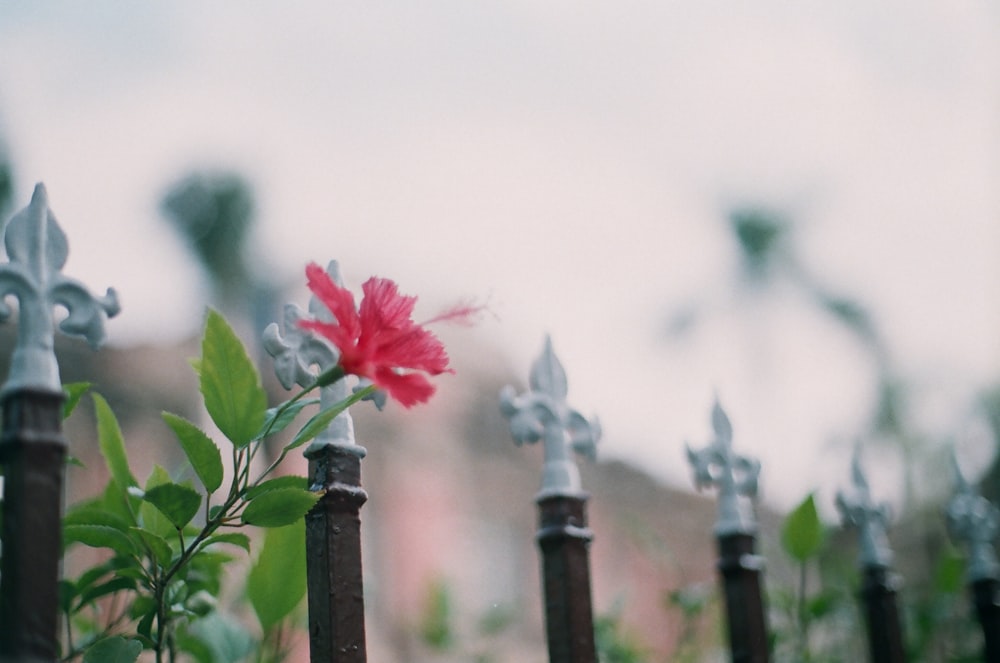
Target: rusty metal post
{"x":882,"y":624}
{"x":335,"y":584}
{"x":879,"y":583}
{"x":563,"y":535}
{"x":740,"y":568}
{"x":33,"y":453}
{"x":333,"y":557}
{"x":986,"y":600}
{"x":974,"y":522}
{"x":32,"y":448}
{"x":564,"y":540}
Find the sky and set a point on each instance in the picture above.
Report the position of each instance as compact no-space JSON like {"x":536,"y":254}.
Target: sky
{"x":573,"y":165}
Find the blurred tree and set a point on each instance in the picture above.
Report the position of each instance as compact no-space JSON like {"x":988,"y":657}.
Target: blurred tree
{"x":6,"y":184}
{"x":214,"y":212}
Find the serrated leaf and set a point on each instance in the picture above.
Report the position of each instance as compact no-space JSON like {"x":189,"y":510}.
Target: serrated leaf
{"x":277,"y":508}
{"x":99,"y":536}
{"x":230,"y":384}
{"x":802,"y":532}
{"x":115,"y":649}
{"x":89,"y":514}
{"x":201,"y":451}
{"x":232,"y":538}
{"x":155,"y":543}
{"x":119,"y":584}
{"x":277,"y":420}
{"x":153,"y":519}
{"x":112,"y":444}
{"x":287,"y":481}
{"x":277,"y":581}
{"x":178,"y":503}
{"x":74,"y":391}
{"x":320,"y":421}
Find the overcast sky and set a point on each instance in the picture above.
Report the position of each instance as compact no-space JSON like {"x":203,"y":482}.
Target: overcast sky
{"x":572,"y":162}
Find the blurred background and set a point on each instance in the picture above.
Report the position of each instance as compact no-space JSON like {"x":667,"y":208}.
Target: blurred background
{"x":791,"y":206}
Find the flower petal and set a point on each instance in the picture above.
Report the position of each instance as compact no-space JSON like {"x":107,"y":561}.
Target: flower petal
{"x":407,"y":388}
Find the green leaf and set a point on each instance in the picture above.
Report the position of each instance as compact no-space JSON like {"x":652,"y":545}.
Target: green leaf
{"x":280,"y":507}
{"x":74,"y":392}
{"x":802,"y":532}
{"x":277,"y":419}
{"x":230,"y":383}
{"x":156,"y":544}
{"x":232,"y":538}
{"x":110,"y":587}
{"x":112,"y":444}
{"x":89,"y":514}
{"x":201,"y":451}
{"x":287,"y":481}
{"x":153,"y":520}
{"x":321,"y":421}
{"x":178,"y":503}
{"x":113,"y":650}
{"x":277,"y":581}
{"x":225,"y":637}
{"x":99,"y":536}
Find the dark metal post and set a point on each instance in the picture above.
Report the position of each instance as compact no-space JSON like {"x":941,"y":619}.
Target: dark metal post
{"x":563,"y":537}
{"x":334,"y":580}
{"x":879,"y":583}
{"x":885,"y":633}
{"x":32,"y":448}
{"x":333,"y":557}
{"x":740,"y":568}
{"x":974,"y":522}
{"x":33,"y":452}
{"x":986,"y":598}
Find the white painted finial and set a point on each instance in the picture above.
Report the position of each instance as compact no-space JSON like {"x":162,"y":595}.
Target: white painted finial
{"x":871,"y":519}
{"x":974,"y":521}
{"x":542,"y":414}
{"x":297,"y":352}
{"x":37,"y":250}
{"x":733,"y":475}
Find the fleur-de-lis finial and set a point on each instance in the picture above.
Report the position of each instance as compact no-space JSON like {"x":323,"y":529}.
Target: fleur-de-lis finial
{"x":296,"y":353}
{"x":974,"y":521}
{"x":37,"y":250}
{"x":542,"y":413}
{"x":871,"y":519}
{"x":733,"y":475}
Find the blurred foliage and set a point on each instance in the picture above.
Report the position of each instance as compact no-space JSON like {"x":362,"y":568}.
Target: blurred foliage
{"x":214,"y":213}
{"x":436,"y":629}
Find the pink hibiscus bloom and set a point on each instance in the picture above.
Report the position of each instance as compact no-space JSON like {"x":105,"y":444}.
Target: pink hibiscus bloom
{"x":379,"y":340}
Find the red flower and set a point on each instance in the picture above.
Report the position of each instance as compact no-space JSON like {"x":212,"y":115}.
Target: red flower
{"x":380,"y":341}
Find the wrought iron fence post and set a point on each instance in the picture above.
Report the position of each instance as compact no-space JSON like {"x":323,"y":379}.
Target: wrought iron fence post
{"x":879,"y":583}
{"x":974,"y":522}
{"x":335,"y":584}
{"x":740,"y":566}
{"x":563,"y":535}
{"x":32,"y":447}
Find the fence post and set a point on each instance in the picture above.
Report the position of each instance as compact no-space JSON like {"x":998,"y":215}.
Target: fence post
{"x":974,"y":521}
{"x":879,"y":583}
{"x":32,"y":447}
{"x":563,"y":536}
{"x":333,"y":527}
{"x":741,"y":568}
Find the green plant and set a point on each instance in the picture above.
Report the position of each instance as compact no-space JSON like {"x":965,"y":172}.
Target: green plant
{"x":168,"y":543}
